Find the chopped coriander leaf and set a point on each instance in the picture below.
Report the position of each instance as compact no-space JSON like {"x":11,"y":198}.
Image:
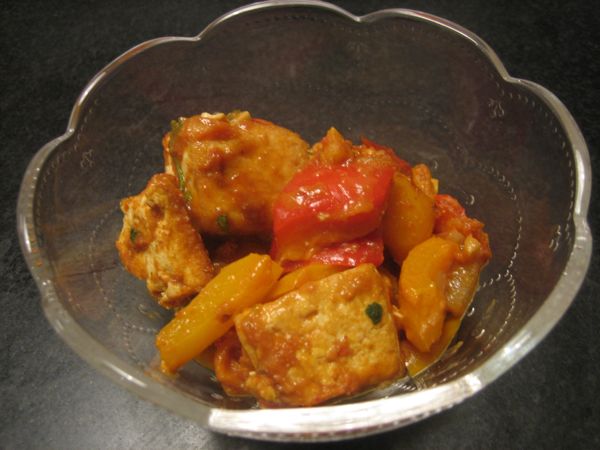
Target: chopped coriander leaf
{"x":187,"y":196}
{"x":375,"y":312}
{"x":175,"y":128}
{"x":133,"y":233}
{"x":223,"y":223}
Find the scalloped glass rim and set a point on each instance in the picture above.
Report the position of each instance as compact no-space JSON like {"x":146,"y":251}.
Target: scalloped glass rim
{"x":324,"y":422}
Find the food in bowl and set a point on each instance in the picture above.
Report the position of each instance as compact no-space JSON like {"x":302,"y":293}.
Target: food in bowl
{"x":309,"y":273}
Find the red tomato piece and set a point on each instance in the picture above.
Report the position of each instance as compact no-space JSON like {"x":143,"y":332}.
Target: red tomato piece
{"x":368,"y":249}
{"x":446,"y":208}
{"x":450,"y":215}
{"x":401,"y":165}
{"x":325,"y":205}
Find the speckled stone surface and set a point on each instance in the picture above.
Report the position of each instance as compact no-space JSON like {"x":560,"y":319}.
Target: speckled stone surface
{"x":50,"y":398}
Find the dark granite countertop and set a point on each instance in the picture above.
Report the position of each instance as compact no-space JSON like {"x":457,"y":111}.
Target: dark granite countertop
{"x":50,"y":398}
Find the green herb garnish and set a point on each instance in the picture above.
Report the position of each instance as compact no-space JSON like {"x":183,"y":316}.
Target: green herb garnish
{"x":187,"y":196}
{"x":223,"y":223}
{"x":133,"y":233}
{"x":375,"y":312}
{"x":175,"y":128}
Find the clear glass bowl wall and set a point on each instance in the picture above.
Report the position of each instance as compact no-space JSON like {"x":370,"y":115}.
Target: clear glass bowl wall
{"x":416,"y":84}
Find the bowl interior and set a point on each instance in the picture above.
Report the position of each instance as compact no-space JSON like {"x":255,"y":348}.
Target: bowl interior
{"x":420,"y":87}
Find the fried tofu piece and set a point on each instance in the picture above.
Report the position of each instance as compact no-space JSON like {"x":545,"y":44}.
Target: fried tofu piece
{"x":158,"y":243}
{"x":329,"y":338}
{"x":231,"y":168}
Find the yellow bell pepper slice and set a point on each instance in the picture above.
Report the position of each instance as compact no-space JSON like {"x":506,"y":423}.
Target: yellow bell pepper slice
{"x":409,"y":218}
{"x":209,"y":315}
{"x":295,"y":279}
{"x":422,"y":290}
{"x":417,"y":361}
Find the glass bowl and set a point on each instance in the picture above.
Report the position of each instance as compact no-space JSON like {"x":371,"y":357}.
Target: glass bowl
{"x":506,"y":148}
